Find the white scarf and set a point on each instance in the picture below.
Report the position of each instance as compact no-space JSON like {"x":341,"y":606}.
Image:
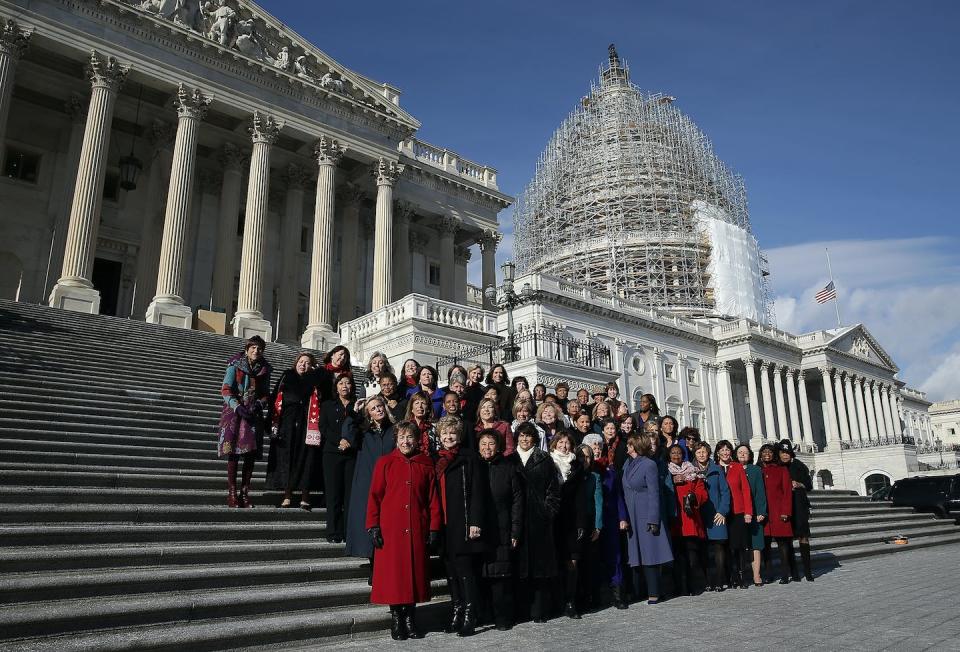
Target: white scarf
{"x":525,"y":454}
{"x":563,"y":462}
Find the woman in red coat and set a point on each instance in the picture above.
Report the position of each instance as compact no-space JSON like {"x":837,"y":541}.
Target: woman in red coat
{"x":779,"y":488}
{"x":741,"y":510}
{"x":686,"y":530}
{"x":403,"y":520}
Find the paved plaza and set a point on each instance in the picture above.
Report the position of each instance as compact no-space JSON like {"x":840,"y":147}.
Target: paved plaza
{"x":908,"y":601}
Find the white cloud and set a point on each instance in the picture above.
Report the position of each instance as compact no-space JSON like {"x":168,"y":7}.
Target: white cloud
{"x":904,"y":291}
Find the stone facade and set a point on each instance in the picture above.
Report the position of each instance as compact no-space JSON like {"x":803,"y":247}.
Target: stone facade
{"x":945,"y":421}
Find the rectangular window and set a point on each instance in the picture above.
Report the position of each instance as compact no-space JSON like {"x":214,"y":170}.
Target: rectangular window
{"x":668,"y":371}
{"x":111,"y":186}
{"x":692,"y":376}
{"x":21,"y":165}
{"x":434,"y":274}
{"x":695,"y":419}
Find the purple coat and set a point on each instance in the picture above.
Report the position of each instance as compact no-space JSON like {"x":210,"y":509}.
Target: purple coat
{"x":641,"y":493}
{"x":614,"y":511}
{"x":243,"y":385}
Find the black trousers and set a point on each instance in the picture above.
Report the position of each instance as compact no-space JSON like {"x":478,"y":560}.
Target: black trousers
{"x":338,"y":478}
{"x":501,"y":599}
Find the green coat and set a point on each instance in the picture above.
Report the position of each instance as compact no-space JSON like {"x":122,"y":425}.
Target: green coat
{"x":759,"y":494}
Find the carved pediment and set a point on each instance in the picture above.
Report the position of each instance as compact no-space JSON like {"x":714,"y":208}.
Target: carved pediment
{"x":858,"y":342}
{"x":244,"y":27}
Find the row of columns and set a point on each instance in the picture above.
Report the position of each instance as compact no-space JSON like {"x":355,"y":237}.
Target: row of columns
{"x":859,"y":408}
{"x":792,"y":417}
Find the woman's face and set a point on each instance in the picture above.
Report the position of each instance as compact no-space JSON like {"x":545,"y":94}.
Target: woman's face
{"x":476,"y":375}
{"x":451,"y":404}
{"x":344,"y":387}
{"x":337,"y":358}
{"x":644,"y":404}
{"x":583,"y":423}
{"x":375,"y":411}
{"x":254,"y":352}
{"x":525,"y":442}
{"x":549,"y":416}
{"x":563,"y":445}
{"x":410,"y":368}
{"x":449,"y":438}
{"x":419,"y":408}
{"x":525,"y":395}
{"x":609,"y":431}
{"x":521,"y":385}
{"x":725,"y":454}
{"x":743,"y":455}
{"x":387,"y":386}
{"x":303,"y":365}
{"x":766,"y":456}
{"x":588,"y":456}
{"x":457,"y":386}
{"x":426,"y":377}
{"x":487,"y":412}
{"x":523,"y":413}
{"x":491,"y":394}
{"x":702,"y":455}
{"x":488,"y":447}
{"x":603,"y":410}
{"x":626,"y":425}
{"x":539,"y":393}
{"x":668,"y":427}
{"x":497,"y":374}
{"x":597,"y":449}
{"x":583,"y":396}
{"x":631,"y":451}
{"x":573,"y":408}
{"x":676,"y":455}
{"x":785,"y":458}
{"x":612,"y":392}
{"x":376,"y":366}
{"x":406,"y":442}
{"x":650,"y":430}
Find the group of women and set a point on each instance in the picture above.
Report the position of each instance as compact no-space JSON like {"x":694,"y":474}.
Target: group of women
{"x":537,"y":503}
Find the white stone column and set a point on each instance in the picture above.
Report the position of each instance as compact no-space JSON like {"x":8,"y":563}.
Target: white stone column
{"x":447,"y":228}
{"x":841,"y":406}
{"x":74,"y":290}
{"x":832,"y":427}
{"x":862,"y":424}
{"x":709,"y":400}
{"x":351,"y":195}
{"x":386,"y":174}
{"x":795,"y":431}
{"x":403,"y":271}
{"x":782,"y":428}
{"x":488,"y":264}
{"x":871,"y":409}
{"x":806,"y":424}
{"x":895,"y":412}
{"x":77,"y":111}
{"x":295,"y":178}
{"x":683,"y":364}
{"x":768,"y":420}
{"x":161,"y":137}
{"x":727,"y":428}
{"x":231,"y":159}
{"x":13,"y":44}
{"x":881,"y":422}
{"x":249,"y":319}
{"x":659,"y":383}
{"x":851,"y":407}
{"x":887,"y":413}
{"x":753,"y":396}
{"x":319,"y":334}
{"x":167,"y":306}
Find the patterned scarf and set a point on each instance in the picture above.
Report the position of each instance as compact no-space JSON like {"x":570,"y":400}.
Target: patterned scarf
{"x":686,"y":471}
{"x":313,"y":437}
{"x":445,"y":456}
{"x":563,"y":462}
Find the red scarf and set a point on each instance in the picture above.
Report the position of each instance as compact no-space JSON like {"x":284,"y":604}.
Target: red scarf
{"x":336,"y":371}
{"x":611,"y":450}
{"x":424,"y":427}
{"x":410,"y":381}
{"x":444,"y":458}
{"x":313,"y":437}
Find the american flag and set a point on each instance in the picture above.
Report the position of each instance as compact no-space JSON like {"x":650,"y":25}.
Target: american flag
{"x":826,"y":294}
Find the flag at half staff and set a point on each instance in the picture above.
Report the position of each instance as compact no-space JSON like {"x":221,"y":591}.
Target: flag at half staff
{"x":826,"y":294}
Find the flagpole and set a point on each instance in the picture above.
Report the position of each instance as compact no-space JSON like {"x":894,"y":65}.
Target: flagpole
{"x":836,"y":297}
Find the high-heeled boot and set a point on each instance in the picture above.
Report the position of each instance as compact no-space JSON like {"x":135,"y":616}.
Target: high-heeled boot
{"x":470,"y":603}
{"x":570,"y":609}
{"x":231,"y":483}
{"x":397,"y":631}
{"x":618,"y":600}
{"x":410,"y":621}
{"x":245,"y":482}
{"x":456,"y":619}
{"x":805,"y":556}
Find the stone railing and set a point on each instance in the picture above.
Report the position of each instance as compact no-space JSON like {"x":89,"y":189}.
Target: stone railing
{"x":417,"y":306}
{"x":444,"y":159}
{"x":748,"y":327}
{"x":896,"y":440}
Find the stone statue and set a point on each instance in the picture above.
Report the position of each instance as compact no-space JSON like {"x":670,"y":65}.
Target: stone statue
{"x":283,"y":59}
{"x":329,"y":81}
{"x":300,"y":67}
{"x":223,"y":22}
{"x":248,"y":42}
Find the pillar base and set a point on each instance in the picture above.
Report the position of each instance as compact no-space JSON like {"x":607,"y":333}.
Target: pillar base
{"x":76,"y":298}
{"x":247,"y":327}
{"x":319,"y":338}
{"x":169,"y":314}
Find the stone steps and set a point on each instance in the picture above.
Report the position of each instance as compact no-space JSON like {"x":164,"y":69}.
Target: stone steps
{"x":95,"y":534}
{"x":110,"y":476}
{"x":66,"y":495}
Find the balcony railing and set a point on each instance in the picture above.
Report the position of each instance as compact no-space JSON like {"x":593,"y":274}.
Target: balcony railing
{"x":537,"y":344}
{"x":896,"y":440}
{"x":448,"y":161}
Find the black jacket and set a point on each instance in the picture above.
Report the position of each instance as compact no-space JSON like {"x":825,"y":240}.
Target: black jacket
{"x":537,"y":554}
{"x":577,"y":513}
{"x":336,"y":423}
{"x":466,"y":489}
{"x":506,"y":500}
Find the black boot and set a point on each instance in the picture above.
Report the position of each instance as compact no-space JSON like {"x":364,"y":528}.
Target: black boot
{"x":397,"y":631}
{"x":805,"y":556}
{"x":618,"y":600}
{"x":456,"y":619}
{"x":470,"y":603}
{"x":410,"y":621}
{"x":570,"y":608}
{"x":469,"y":627}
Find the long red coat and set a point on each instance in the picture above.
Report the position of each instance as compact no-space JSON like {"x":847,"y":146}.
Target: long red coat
{"x":685,"y":525}
{"x":776,"y":482}
{"x":404,"y":503}
{"x":739,"y":489}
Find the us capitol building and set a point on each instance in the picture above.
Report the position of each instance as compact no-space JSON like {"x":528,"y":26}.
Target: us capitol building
{"x":200,"y":165}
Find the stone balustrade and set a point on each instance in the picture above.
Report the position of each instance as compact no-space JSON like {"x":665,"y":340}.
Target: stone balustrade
{"x":420,"y":307}
{"x":444,"y":159}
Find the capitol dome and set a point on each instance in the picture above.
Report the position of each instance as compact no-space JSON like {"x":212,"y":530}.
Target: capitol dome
{"x":629,"y":199}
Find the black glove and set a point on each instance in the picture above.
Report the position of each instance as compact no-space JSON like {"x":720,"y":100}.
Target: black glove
{"x":433,"y":540}
{"x":654,"y":529}
{"x":244,"y":412}
{"x":376,"y":537}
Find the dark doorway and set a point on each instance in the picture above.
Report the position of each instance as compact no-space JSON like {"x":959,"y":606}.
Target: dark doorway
{"x":875,"y":482}
{"x":106,"y":279}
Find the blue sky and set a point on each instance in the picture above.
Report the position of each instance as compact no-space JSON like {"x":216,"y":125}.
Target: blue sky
{"x":842,"y":116}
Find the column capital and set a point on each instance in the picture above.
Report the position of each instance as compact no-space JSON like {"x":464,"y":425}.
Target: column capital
{"x":161,"y":134}
{"x":723,"y":367}
{"x":489,"y":240}
{"x":106,"y":72}
{"x":328,"y":151}
{"x":848,"y":379}
{"x":448,"y":225}
{"x":76,"y":108}
{"x":682,"y":360}
{"x":403,"y":211}
{"x":799,"y":375}
{"x":791,"y":372}
{"x":191,"y":105}
{"x":764,"y":365}
{"x":232,"y":157}
{"x":387,"y":172}
{"x":657,"y":353}
{"x":749,"y":361}
{"x":264,"y":128}
{"x":297,"y":177}
{"x":14,"y":39}
{"x":461,"y":255}
{"x":826,"y":370}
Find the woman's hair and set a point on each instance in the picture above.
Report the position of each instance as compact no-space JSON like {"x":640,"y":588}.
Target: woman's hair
{"x":596,"y":408}
{"x":494,"y":389}
{"x":641,"y":444}
{"x":703,"y":444}
{"x":676,"y":424}
{"x":651,"y":424}
{"x":506,"y":377}
{"x":557,"y":437}
{"x":349,"y":377}
{"x":492,"y":434}
{"x":518,"y":405}
{"x":527,"y":428}
{"x":633,"y":425}
{"x":654,"y":410}
{"x":387,"y":415}
{"x":472,"y":367}
{"x":688,"y":431}
{"x":519,"y":379}
{"x":541,"y":386}
{"x":584,"y":451}
{"x":612,"y":385}
{"x":433,"y":372}
{"x":749,"y":451}
{"x":418,"y":396}
{"x":604,"y":422}
{"x":450,"y":392}
{"x":773,"y":451}
{"x":346,"y":356}
{"x":450,"y":421}
{"x":488,"y":401}
{"x":458,"y":369}
{"x":723,"y":443}
{"x":308,"y":355}
{"x":403,"y":369}
{"x":386,"y":365}
{"x":678,"y":447}
{"x":407,"y":427}
{"x":557,"y":412}
{"x":392,"y":376}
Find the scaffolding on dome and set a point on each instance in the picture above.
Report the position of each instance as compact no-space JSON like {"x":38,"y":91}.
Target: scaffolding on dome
{"x":626,"y":200}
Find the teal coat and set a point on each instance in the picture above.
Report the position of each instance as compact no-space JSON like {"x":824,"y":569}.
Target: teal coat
{"x":718,"y":502}
{"x":759,"y":494}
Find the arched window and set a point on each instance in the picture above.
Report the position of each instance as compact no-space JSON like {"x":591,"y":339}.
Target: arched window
{"x":636,"y":399}
{"x":875,"y":482}
{"x":824,"y":479}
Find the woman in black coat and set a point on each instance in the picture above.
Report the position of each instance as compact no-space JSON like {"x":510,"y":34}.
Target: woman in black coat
{"x":802,"y":483}
{"x":575,"y":523}
{"x":504,"y":525}
{"x":293,"y":462}
{"x":374,"y":438}
{"x":464,"y":489}
{"x":338,"y":426}
{"x":536,"y":553}
{"x":506,"y":394}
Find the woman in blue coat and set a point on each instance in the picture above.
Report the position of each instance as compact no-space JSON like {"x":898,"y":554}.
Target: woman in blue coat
{"x":375,"y":440}
{"x":751,"y":556}
{"x":648,"y":544}
{"x":613,"y":514}
{"x":714,"y":512}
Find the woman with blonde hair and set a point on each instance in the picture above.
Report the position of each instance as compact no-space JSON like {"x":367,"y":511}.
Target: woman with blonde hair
{"x":550,"y":423}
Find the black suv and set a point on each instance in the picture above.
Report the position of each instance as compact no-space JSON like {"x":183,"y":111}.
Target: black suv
{"x":937,"y":494}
